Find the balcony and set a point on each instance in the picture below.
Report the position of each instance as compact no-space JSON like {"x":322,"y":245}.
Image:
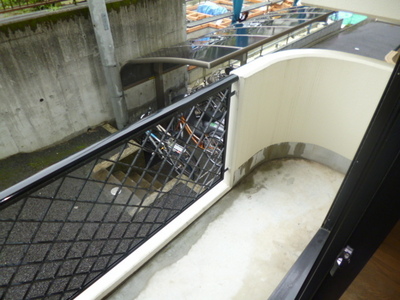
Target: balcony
{"x":245,"y":243}
{"x":290,"y":150}
{"x":292,"y":123}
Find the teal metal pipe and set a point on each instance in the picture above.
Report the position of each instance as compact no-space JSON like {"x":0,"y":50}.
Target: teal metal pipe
{"x":237,"y":8}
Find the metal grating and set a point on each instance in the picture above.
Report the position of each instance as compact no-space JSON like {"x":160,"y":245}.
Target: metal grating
{"x":67,"y":226}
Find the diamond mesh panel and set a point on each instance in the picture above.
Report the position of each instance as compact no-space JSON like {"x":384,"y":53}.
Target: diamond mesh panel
{"x":58,"y":239}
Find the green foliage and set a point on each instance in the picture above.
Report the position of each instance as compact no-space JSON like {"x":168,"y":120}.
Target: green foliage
{"x":16,"y":3}
{"x":41,"y":4}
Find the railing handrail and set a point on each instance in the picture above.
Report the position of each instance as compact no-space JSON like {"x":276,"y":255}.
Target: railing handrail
{"x":72,"y":162}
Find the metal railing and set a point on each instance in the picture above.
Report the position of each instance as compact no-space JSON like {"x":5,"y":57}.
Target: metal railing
{"x":65,"y":227}
{"x":230,"y":13}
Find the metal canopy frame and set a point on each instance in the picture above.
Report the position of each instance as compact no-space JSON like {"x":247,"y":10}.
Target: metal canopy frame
{"x":263,"y":26}
{"x":182,"y":54}
{"x":230,"y":14}
{"x":157,"y":59}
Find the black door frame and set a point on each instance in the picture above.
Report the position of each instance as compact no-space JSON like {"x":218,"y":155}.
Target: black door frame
{"x":367,"y":205}
{"x":363,"y":213}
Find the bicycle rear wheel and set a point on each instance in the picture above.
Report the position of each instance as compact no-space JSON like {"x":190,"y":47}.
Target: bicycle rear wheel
{"x":184,"y":163}
{"x":214,"y":146}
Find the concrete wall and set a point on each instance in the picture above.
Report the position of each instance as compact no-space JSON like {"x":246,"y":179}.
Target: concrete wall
{"x":52,"y":85}
{"x":303,"y":101}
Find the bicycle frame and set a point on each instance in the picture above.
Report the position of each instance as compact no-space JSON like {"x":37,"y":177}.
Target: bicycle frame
{"x":167,"y":147}
{"x":208,"y":136}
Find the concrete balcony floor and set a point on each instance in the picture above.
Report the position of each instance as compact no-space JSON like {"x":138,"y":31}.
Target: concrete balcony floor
{"x":243,"y":246}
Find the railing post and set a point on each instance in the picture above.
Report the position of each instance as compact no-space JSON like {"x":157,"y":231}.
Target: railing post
{"x":101,"y":25}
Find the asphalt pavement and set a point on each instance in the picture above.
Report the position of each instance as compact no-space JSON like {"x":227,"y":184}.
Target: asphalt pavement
{"x":373,"y":39}
{"x":20,"y":166}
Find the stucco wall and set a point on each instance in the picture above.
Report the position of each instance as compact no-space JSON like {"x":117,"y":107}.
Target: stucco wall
{"x":52,"y":84}
{"x":303,"y":97}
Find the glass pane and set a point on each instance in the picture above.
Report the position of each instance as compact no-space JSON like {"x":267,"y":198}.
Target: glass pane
{"x":224,"y":41}
{"x":232,"y":41}
{"x":206,"y":54}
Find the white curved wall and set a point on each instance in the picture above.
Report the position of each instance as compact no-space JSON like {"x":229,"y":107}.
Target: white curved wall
{"x":317,"y":97}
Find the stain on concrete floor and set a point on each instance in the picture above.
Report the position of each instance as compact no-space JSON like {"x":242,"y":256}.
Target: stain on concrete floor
{"x":244,"y":249}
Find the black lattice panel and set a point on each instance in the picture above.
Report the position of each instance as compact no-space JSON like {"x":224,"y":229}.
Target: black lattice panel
{"x":56,"y":240}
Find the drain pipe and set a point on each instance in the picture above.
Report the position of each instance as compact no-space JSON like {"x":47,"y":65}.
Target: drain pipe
{"x":105,"y":43}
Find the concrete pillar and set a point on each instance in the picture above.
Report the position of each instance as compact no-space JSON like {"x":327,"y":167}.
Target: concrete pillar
{"x":101,"y":25}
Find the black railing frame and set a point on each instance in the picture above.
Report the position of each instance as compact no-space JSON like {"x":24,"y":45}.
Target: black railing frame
{"x":71,"y":163}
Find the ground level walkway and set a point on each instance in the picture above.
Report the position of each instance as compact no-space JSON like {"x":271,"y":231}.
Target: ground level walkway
{"x":371,"y":39}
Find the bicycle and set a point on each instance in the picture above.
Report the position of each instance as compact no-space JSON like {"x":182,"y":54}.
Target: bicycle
{"x":204,"y":124}
{"x":160,"y":142}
